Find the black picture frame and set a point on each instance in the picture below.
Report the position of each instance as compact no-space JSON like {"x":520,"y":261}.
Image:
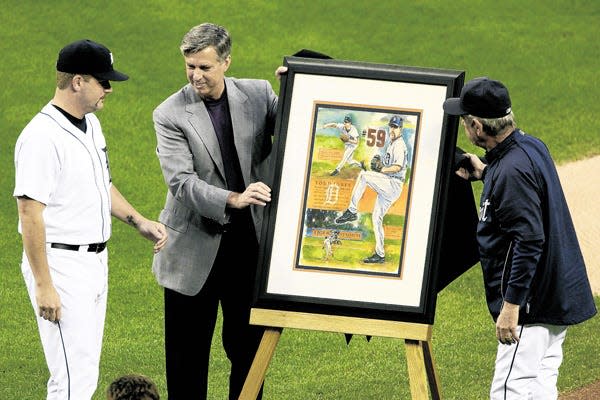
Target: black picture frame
{"x":290,"y":276}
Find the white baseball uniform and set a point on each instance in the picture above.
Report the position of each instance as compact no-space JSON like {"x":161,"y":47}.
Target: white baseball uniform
{"x":328,"y":243}
{"x":387,"y":186}
{"x":348,"y":147}
{"x":67,"y":170}
{"x":529,"y":369}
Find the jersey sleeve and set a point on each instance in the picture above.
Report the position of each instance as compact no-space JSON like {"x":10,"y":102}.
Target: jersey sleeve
{"x":37,"y":165}
{"x":520,"y":213}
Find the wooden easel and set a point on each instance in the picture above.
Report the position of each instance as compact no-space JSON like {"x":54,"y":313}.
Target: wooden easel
{"x":417,"y":339}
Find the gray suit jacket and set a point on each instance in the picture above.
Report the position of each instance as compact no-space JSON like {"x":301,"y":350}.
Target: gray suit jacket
{"x":193,"y":169}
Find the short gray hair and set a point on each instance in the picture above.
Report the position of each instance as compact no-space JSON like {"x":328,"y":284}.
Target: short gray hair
{"x":207,"y":35}
{"x":64,"y":79}
{"x":494,"y":126}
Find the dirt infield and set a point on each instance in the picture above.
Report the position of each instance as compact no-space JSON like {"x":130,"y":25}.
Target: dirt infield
{"x":590,"y":392}
{"x":581,"y":185}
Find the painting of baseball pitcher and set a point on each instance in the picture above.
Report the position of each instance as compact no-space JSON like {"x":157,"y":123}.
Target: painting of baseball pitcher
{"x":348,"y":134}
{"x":386,"y":178}
{"x":364,"y":203}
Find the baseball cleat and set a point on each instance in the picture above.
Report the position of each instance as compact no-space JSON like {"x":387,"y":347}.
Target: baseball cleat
{"x":374,"y":259}
{"x":362,"y":166}
{"x":334,"y":172}
{"x":347,"y":216}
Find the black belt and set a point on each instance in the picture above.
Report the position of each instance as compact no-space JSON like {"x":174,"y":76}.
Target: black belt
{"x":92,"y":248}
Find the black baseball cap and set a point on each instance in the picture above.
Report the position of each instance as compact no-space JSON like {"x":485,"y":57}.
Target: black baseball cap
{"x":89,"y":58}
{"x":480,"y":97}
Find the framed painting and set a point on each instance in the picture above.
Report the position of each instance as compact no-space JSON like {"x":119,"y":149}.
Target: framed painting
{"x":361,"y":160}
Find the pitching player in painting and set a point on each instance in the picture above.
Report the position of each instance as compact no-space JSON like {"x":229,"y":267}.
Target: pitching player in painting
{"x":349,"y":136}
{"x":386,"y":178}
{"x":329,"y":242}
{"x":65,"y":198}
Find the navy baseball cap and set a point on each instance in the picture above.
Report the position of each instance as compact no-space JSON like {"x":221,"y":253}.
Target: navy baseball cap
{"x":480,"y":97}
{"x":347,"y":118}
{"x":395,"y":121}
{"x":89,"y":58}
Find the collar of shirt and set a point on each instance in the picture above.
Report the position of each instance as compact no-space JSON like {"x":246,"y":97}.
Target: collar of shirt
{"x":79,"y":123}
{"x":502,"y":147}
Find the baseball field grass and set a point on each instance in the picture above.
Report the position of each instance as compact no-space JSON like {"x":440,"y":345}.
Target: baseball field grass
{"x":547,"y":53}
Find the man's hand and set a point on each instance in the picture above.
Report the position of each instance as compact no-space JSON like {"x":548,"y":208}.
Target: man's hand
{"x":154,"y":231}
{"x":48,"y":302}
{"x":506,"y":324}
{"x":478,"y":167}
{"x":256,"y":193}
{"x":281,"y":70}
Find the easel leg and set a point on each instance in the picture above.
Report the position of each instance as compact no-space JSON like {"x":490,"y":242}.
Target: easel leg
{"x":432,"y":376}
{"x":421,"y":370}
{"x":258,"y":370}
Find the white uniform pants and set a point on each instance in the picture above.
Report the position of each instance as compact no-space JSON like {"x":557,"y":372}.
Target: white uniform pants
{"x":72,"y":346}
{"x":347,"y":157}
{"x":528,"y":370}
{"x":328,"y":247}
{"x":388,"y":191}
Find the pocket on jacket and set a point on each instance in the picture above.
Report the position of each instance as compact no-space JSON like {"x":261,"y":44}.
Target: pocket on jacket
{"x":174,"y":221}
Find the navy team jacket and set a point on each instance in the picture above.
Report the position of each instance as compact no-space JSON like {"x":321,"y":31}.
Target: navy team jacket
{"x":528,"y":247}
